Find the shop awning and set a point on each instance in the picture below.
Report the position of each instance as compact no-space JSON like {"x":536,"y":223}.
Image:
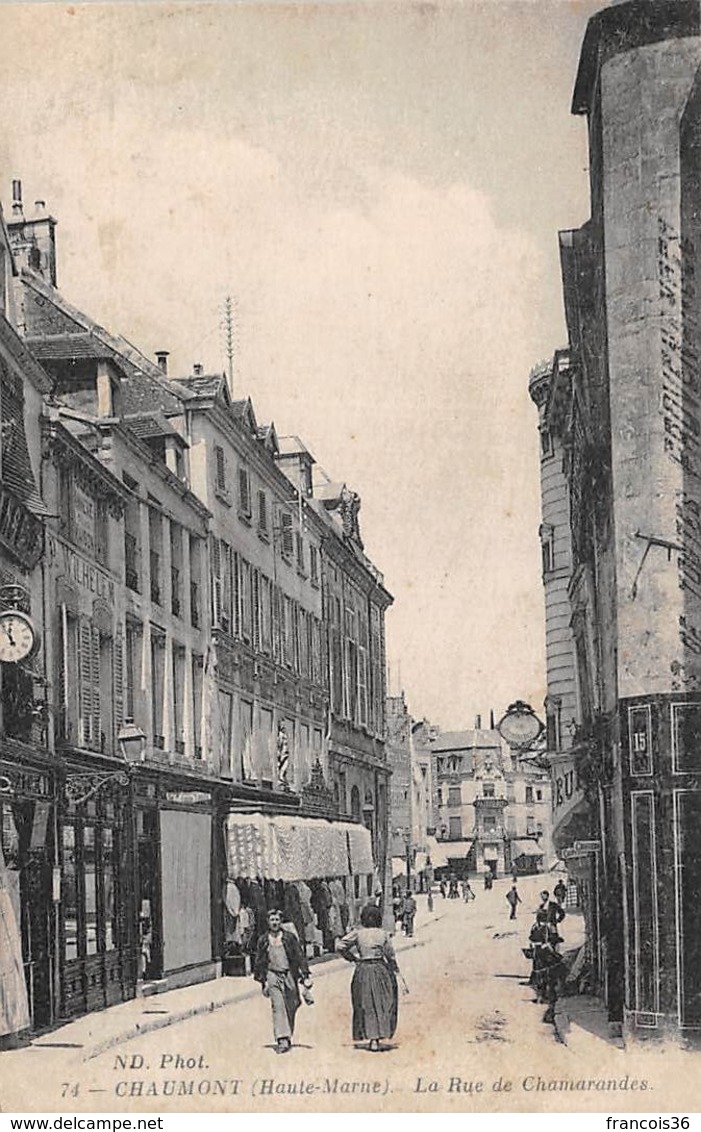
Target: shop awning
{"x":525,"y":849}
{"x":441,"y":852}
{"x":398,"y":867}
{"x":283,"y":847}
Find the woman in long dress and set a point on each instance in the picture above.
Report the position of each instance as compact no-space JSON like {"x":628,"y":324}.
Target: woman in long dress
{"x":14,"y":1007}
{"x":374,"y":985}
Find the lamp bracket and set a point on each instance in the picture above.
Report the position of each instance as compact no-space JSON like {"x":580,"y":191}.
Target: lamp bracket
{"x":80,"y":787}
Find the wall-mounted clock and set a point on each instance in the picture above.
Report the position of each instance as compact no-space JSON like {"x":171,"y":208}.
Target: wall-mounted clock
{"x":18,"y":638}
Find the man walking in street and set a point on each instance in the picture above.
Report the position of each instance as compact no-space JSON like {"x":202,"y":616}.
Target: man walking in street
{"x":514,"y":900}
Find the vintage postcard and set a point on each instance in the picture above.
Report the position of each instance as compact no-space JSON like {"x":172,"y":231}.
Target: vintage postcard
{"x":350,"y":557}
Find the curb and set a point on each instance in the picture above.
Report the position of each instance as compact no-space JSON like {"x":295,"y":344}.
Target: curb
{"x":138,"y":1029}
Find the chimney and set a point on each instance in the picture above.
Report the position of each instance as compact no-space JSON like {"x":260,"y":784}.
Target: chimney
{"x":197,"y":369}
{"x":33,"y":239}
{"x":16,"y":198}
{"x":478,"y":723}
{"x":162,"y":359}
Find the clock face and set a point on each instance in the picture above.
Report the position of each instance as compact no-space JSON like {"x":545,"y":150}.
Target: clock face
{"x":16,"y":637}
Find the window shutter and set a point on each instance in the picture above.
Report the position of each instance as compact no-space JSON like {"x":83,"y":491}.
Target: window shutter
{"x":62,"y":672}
{"x":95,"y":674}
{"x":118,"y":671}
{"x":221,"y":467}
{"x":216,"y":581}
{"x":85,"y":677}
{"x":287,"y":534}
{"x":244,"y":491}
{"x":255,"y":587}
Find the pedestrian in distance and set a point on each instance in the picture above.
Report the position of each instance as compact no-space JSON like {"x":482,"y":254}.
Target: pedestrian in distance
{"x":429,"y":901}
{"x":408,"y":914}
{"x":374,"y":985}
{"x":488,"y":880}
{"x":560,"y":892}
{"x":467,"y":893}
{"x":280,"y":966}
{"x":397,"y":903}
{"x":443,"y":888}
{"x":514,"y":900}
{"x":453,"y":893}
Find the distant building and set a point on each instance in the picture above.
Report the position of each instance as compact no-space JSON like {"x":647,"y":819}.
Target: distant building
{"x":494,"y":806}
{"x":411,"y":796}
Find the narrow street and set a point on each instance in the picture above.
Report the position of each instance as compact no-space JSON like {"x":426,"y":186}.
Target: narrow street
{"x":468,"y":1022}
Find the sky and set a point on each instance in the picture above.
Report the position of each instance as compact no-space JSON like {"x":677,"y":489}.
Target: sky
{"x":378,"y":187}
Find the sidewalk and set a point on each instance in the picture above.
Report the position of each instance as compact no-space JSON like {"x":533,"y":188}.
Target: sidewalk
{"x":94,"y":1033}
{"x":581,"y":1021}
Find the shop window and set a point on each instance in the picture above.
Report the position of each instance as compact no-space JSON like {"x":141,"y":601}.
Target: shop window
{"x":69,"y":894}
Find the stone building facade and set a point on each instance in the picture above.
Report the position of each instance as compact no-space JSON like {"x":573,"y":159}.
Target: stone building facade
{"x":629,"y":421}
{"x":187,"y":731}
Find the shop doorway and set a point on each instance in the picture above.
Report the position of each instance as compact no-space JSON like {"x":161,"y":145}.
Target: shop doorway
{"x":98,"y":968}
{"x":150,"y":959}
{"x":27,"y":845}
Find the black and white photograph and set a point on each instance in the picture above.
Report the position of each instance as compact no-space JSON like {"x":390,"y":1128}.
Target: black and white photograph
{"x":350,"y":556}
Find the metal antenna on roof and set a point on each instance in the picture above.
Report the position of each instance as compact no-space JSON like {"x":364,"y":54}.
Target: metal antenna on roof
{"x":230,"y":309}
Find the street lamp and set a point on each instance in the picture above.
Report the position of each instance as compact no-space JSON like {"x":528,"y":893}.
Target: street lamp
{"x":132,"y":742}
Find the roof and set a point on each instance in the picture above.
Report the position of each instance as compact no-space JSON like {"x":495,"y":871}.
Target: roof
{"x":293,"y":446}
{"x":466,"y":740}
{"x":71,"y":323}
{"x":203,"y":385}
{"x":59,"y":347}
{"x":623,"y":26}
{"x":141,"y":395}
{"x":152,"y":424}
